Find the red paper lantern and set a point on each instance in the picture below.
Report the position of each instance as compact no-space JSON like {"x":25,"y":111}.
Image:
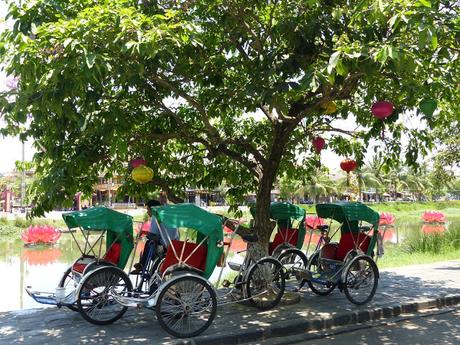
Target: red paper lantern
{"x":382,"y":109}
{"x":348,"y":165}
{"x":137,"y":162}
{"x":318,"y":143}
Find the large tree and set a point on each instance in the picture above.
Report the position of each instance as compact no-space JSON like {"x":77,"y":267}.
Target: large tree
{"x":214,"y":90}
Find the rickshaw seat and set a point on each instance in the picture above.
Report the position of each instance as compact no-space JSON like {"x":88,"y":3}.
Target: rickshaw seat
{"x":112,"y":256}
{"x":197,"y":260}
{"x":347,"y":243}
{"x":284,"y":236}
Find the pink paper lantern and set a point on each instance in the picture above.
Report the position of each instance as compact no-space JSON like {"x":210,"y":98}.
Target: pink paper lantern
{"x":318,"y":143}
{"x":138,"y":162}
{"x":382,"y":109}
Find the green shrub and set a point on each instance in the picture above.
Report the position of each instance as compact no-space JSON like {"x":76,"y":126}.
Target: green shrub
{"x":436,"y":243}
{"x":22,"y":222}
{"x":4,"y":221}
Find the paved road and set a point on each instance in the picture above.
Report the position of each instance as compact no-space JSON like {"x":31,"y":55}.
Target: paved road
{"x":233,"y":322}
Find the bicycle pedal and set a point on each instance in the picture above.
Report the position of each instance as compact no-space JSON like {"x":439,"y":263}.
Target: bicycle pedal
{"x":225,"y":283}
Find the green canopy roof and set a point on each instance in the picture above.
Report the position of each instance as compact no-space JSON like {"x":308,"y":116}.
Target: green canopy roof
{"x":99,"y":218}
{"x":283,"y":211}
{"x":345,"y":212}
{"x":119,"y":227}
{"x":194,"y":217}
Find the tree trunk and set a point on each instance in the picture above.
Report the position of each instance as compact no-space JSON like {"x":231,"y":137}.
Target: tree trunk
{"x":262,"y":224}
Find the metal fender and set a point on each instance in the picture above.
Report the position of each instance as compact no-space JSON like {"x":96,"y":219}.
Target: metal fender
{"x":85,"y":277}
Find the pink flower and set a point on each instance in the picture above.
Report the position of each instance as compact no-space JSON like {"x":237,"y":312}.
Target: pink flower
{"x":433,"y":217}
{"x":386,"y":219}
{"x":312,"y":222}
{"x":40,"y":234}
{"x":144,"y":227}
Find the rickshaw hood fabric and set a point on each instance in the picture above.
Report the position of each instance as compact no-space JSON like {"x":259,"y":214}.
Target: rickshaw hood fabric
{"x":348,"y":212}
{"x":193,"y":217}
{"x":119,"y":226}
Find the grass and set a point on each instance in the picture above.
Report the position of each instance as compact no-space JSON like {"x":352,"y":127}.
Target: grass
{"x":397,"y":257}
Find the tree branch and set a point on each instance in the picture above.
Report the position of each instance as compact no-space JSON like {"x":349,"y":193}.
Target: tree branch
{"x":192,"y":101}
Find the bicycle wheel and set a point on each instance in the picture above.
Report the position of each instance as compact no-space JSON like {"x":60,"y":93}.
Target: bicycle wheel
{"x":186,"y":305}
{"x":94,"y":301}
{"x":316,"y":268}
{"x":293,"y":260}
{"x":265,"y":283}
{"x":67,"y":281}
{"x":361,"y":280}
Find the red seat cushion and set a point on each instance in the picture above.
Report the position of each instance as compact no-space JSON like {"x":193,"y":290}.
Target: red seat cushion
{"x":284,"y":236}
{"x":347,"y":243}
{"x":113,"y":254}
{"x":329,"y":251}
{"x":197,"y":260}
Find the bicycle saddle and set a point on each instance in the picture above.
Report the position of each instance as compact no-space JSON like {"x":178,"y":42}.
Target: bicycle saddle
{"x":322,"y":227}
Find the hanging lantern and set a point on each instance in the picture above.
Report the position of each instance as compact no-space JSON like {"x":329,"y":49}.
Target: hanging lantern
{"x":318,"y":143}
{"x":348,"y":165}
{"x":329,"y":107}
{"x":428,"y":106}
{"x":137,"y":162}
{"x":142,"y":174}
{"x":382,"y":109}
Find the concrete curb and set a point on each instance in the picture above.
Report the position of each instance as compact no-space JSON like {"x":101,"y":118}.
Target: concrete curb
{"x":298,"y":326}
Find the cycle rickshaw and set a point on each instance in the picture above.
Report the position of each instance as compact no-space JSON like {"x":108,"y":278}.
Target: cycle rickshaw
{"x":290,"y":227}
{"x":84,"y":286}
{"x":348,"y":264}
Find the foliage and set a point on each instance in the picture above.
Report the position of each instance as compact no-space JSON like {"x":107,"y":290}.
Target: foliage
{"x":208,"y":91}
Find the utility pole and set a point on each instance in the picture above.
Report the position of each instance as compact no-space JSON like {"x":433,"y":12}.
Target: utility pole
{"x":23,"y":178}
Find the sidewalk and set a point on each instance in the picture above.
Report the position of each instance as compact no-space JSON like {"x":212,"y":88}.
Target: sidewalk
{"x":402,"y":290}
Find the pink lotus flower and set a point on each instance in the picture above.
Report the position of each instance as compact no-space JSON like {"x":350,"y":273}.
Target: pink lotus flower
{"x":312,"y":222}
{"x":35,"y":234}
{"x":386,"y":219}
{"x":433,"y":217}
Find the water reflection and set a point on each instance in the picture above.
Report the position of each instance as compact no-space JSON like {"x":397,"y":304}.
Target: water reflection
{"x":40,"y":255}
{"x":39,"y":266}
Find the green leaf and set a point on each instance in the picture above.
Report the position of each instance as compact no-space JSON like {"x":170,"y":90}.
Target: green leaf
{"x":333,"y":60}
{"x":90,"y":59}
{"x":426,"y":3}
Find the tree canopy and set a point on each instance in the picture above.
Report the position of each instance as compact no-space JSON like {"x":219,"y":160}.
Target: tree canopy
{"x":217,"y":90}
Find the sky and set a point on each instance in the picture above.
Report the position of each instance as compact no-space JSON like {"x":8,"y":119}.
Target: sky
{"x":10,"y":147}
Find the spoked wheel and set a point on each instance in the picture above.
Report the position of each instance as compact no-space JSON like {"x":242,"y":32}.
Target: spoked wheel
{"x":186,"y":305}
{"x":361,"y":280}
{"x":68,"y":282}
{"x":315,"y":267}
{"x":265,"y":283}
{"x":94,"y":301}
{"x":294,"y":262}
